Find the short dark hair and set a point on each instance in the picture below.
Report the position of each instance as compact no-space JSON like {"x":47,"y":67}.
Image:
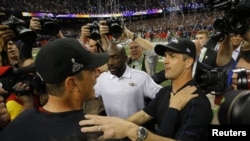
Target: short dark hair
{"x":57,"y":89}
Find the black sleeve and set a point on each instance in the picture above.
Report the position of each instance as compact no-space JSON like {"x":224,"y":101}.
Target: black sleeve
{"x":157,"y":103}
{"x":194,"y":120}
{"x":159,"y":77}
{"x":170,"y":122}
{"x":151,"y":107}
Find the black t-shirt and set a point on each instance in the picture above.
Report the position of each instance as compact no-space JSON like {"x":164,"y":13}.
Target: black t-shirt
{"x":35,"y":125}
{"x":189,"y":124}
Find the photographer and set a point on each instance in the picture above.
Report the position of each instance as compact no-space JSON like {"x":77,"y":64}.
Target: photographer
{"x":5,"y":35}
{"x":230,"y":57}
{"x":227,"y":55}
{"x":142,"y":55}
{"x":17,"y":55}
{"x":24,"y":96}
{"x":102,"y":31}
{"x":35,"y":25}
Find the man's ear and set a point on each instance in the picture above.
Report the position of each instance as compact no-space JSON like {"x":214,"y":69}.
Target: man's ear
{"x":189,"y":62}
{"x":70,"y":83}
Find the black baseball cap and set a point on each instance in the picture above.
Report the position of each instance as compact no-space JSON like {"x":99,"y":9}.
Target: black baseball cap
{"x":65,"y":57}
{"x":181,"y":45}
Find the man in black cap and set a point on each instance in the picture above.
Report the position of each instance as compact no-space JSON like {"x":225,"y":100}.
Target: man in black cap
{"x":69,"y":73}
{"x":188,"y":122}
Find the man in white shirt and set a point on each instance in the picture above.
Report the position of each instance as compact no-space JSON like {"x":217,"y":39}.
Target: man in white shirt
{"x":122,"y":88}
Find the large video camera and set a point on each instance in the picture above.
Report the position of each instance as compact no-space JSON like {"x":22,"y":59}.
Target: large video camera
{"x":49,"y":26}
{"x":11,"y":76}
{"x":234,"y":109}
{"x":236,"y":103}
{"x":235,"y":106}
{"x":236,"y":18}
{"x":21,"y":32}
{"x":115,"y":28}
{"x":211,"y":80}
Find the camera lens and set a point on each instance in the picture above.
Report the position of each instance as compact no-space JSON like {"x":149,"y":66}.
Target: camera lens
{"x":202,"y":77}
{"x":243,"y":80}
{"x":235,"y":107}
{"x":51,"y":28}
{"x":116,"y":30}
{"x":220,"y":25}
{"x":94,"y":31}
{"x":26,"y":35}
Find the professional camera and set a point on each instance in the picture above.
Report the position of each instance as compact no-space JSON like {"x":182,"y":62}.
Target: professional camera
{"x":10,"y":76}
{"x":231,"y":23}
{"x":234,"y":109}
{"x":115,"y":28}
{"x":235,"y":106}
{"x":236,"y":103}
{"x":21,"y":32}
{"x":49,"y":26}
{"x":235,"y":20}
{"x":243,"y":79}
{"x":211,"y":80}
{"x":94,"y":30}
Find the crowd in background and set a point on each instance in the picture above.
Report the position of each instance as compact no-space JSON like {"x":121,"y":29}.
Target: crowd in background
{"x":90,"y":6}
{"x":155,"y":28}
{"x":160,"y":28}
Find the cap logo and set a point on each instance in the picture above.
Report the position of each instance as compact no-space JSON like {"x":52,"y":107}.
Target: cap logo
{"x":188,"y":50}
{"x":174,"y":40}
{"x":76,"y":66}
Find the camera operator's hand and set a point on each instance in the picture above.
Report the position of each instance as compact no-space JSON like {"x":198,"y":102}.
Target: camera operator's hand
{"x":4,"y":115}
{"x":104,"y":29}
{"x":85,"y":32}
{"x":127,"y":33}
{"x":24,"y":94}
{"x":225,"y":51}
{"x":21,"y":88}
{"x":35,"y":24}
{"x":6,"y":33}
